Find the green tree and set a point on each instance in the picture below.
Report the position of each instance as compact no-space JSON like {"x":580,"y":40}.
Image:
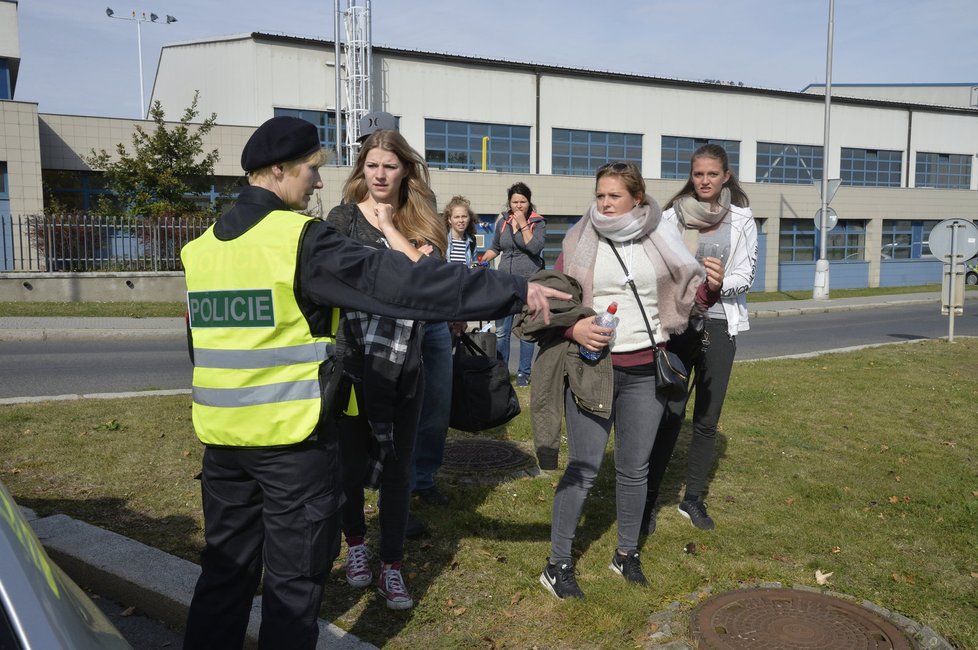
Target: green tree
{"x":165,"y":168}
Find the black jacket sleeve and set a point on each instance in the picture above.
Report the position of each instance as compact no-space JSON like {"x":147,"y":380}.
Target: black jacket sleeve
{"x":335,"y":271}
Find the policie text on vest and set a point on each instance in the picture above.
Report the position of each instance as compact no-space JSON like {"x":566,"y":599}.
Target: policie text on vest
{"x":235,"y":308}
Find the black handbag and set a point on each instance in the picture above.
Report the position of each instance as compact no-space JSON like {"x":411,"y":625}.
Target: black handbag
{"x":482,"y":395}
{"x":671,"y":376}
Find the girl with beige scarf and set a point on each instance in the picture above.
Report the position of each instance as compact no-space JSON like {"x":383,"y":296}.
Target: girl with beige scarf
{"x":670,"y":284}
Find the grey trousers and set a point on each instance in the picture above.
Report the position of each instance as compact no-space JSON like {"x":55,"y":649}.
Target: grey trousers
{"x":636,"y":411}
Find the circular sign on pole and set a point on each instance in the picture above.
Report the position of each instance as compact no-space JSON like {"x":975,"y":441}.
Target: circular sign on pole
{"x":959,"y":236}
{"x":830,"y":220}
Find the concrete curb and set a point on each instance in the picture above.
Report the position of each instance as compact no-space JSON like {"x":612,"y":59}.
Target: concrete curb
{"x":157,"y":583}
{"x":760,"y":311}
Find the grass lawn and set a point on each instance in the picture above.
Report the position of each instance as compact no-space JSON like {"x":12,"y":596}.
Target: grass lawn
{"x":861,"y":464}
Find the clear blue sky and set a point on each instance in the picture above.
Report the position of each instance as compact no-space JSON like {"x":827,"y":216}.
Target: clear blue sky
{"x":75,"y":60}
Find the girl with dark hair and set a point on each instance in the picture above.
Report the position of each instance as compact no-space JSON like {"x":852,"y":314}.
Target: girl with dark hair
{"x":712,"y":212}
{"x":518,"y":241}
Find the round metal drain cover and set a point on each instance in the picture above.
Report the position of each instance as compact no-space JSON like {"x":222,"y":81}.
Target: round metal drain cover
{"x":761,"y":619}
{"x":476,"y":458}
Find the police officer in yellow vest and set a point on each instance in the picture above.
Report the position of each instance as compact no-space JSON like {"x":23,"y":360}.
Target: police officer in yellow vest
{"x":262,"y":283}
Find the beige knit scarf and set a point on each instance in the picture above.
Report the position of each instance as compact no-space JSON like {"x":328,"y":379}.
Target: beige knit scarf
{"x":695,"y":215}
{"x":677,"y":273}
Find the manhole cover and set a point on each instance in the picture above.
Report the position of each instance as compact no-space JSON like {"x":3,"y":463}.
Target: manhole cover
{"x":790,"y":619}
{"x":477,"y":457}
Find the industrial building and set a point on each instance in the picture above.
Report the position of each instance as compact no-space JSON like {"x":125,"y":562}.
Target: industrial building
{"x":905,"y":154}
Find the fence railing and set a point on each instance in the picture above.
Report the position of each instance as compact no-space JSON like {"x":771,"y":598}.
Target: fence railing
{"x":88,"y":243}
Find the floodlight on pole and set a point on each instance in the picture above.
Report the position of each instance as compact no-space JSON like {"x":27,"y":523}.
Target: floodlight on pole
{"x":139,"y":20}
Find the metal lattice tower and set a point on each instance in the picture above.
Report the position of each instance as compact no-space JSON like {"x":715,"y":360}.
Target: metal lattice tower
{"x":357,"y":54}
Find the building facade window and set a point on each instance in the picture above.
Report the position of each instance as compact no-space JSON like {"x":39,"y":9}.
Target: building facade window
{"x":325,"y":122}
{"x":943,"y":170}
{"x":871,"y":167}
{"x":458,"y":145}
{"x":788,"y":163}
{"x":69,"y":192}
{"x":6,"y":92}
{"x":580,"y":153}
{"x":73,"y":192}
{"x":4,"y":188}
{"x":904,"y":239}
{"x":799,"y":241}
{"x":677,"y":151}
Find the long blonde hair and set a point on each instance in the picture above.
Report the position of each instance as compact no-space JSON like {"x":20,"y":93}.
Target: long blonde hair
{"x":414,"y":214}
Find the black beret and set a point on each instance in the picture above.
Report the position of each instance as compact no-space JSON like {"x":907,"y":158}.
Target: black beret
{"x":279,"y":140}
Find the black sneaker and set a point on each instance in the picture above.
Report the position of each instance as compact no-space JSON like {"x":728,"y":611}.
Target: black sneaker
{"x":648,"y":519}
{"x":695,"y":511}
{"x":560,"y":580}
{"x":628,"y":567}
{"x":432,"y":496}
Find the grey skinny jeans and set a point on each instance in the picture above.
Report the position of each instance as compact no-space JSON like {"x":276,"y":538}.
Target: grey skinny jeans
{"x":635,"y":412}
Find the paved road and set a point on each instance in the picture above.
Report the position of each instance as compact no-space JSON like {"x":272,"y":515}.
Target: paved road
{"x":84,"y":365}
{"x":93,"y":365}
{"x":773,"y":337}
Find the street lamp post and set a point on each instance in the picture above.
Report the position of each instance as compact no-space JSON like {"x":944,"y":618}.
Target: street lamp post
{"x":139,"y":20}
{"x":821,"y":288}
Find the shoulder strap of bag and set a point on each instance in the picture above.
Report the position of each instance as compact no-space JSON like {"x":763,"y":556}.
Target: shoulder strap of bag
{"x":631,"y":284}
{"x":464,"y":340}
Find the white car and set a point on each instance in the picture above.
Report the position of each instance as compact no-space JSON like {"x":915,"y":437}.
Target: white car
{"x":41,"y":608}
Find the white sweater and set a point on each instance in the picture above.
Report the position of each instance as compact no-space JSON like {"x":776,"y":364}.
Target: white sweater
{"x":741,"y":265}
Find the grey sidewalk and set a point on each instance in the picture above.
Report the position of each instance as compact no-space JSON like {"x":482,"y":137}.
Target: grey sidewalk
{"x":31,"y":328}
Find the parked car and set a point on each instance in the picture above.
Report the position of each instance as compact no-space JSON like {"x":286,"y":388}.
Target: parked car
{"x":971,"y":271}
{"x":41,"y":608}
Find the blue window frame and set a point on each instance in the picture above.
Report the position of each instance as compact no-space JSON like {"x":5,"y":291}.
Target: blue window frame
{"x":325,"y":122}
{"x":788,"y":163}
{"x":580,"y":153}
{"x":871,"y":167}
{"x":6,"y":92}
{"x":4,"y":188}
{"x":458,"y":145}
{"x":677,"y":151}
{"x":799,"y":241}
{"x":944,"y":170}
{"x":904,"y":239}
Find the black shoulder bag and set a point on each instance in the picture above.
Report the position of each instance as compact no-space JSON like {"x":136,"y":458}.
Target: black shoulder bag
{"x":482,"y":395}
{"x":671,"y":376}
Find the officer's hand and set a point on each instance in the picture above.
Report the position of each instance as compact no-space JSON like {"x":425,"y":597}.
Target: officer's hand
{"x":537,"y":296}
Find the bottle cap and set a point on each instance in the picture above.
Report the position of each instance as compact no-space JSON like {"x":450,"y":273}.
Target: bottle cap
{"x":613,"y":308}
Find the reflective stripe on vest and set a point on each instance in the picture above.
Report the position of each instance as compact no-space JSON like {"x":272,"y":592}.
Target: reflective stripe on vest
{"x":256,"y":373}
{"x":311,"y":352}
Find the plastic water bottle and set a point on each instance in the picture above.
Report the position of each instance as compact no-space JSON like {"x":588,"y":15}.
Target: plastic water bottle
{"x":607,"y":319}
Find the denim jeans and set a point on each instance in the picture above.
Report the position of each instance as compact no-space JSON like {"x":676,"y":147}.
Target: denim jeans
{"x":429,"y":448}
{"x":636,"y":411}
{"x":709,"y":356}
{"x":504,"y":329}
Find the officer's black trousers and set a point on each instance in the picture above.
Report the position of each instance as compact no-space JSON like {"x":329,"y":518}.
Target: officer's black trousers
{"x":276,"y":509}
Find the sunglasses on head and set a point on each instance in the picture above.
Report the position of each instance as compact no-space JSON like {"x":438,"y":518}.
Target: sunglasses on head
{"x":615,"y":167}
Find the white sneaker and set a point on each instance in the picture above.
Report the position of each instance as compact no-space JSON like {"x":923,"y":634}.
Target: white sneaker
{"x":390,"y":585}
{"x":357,"y":567}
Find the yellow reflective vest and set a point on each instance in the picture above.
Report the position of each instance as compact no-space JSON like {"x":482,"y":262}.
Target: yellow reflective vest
{"x":256,"y":362}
